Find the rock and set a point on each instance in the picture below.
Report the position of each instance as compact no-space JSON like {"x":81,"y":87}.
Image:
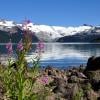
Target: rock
{"x":59,"y":89}
{"x":73,"y":92}
{"x":92,"y":72}
{"x":73,"y":79}
{"x":60,"y":86}
{"x":77,"y":93}
{"x":74,"y":84}
{"x":59,"y":82}
{"x":93,"y":64}
{"x":86,"y":86}
{"x":94,"y":77}
{"x":51,"y":71}
{"x":91,"y":95}
{"x":75,"y":89}
{"x":81,"y":75}
{"x":98,"y":98}
{"x":96,"y":85}
{"x":55,"y":73}
{"x":50,"y":97}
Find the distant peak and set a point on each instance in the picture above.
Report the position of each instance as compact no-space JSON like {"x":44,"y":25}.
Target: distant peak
{"x":87,"y":25}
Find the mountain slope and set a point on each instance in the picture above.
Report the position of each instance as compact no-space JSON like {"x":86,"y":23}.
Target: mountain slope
{"x":85,"y":33}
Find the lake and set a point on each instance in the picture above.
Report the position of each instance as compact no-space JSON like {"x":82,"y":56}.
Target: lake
{"x":62,"y":54}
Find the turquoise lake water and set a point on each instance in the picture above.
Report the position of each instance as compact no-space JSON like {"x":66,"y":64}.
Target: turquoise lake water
{"x":62,"y":54}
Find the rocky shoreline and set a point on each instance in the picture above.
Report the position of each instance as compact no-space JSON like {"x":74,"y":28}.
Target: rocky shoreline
{"x":81,"y":83}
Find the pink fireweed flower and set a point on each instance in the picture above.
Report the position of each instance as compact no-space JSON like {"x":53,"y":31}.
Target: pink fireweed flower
{"x":9,"y":47}
{"x":44,"y":80}
{"x":26,"y":22}
{"x":26,"y":28}
{"x":40,"y":47}
{"x":20,"y":45}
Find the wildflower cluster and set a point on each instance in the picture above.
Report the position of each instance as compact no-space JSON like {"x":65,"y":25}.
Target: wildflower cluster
{"x":18,"y":82}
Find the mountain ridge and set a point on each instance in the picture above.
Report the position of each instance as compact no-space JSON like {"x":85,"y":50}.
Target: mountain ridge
{"x":52,"y":33}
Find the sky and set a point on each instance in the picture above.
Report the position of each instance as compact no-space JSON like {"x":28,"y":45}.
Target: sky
{"x":52,"y":12}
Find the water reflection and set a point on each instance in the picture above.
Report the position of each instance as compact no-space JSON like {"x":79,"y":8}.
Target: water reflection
{"x":58,"y":54}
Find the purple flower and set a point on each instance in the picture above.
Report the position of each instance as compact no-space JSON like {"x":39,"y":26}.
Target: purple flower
{"x":9,"y":47}
{"x":44,"y":80}
{"x":20,"y":45}
{"x":26,"y":22}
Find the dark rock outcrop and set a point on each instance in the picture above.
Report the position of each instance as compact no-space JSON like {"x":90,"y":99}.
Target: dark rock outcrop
{"x":93,"y":64}
{"x":92,"y":72}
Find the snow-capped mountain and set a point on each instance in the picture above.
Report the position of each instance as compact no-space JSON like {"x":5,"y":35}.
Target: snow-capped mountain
{"x":6,"y":23}
{"x":52,"y":33}
{"x":56,"y":32}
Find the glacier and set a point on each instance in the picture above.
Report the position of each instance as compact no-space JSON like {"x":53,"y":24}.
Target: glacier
{"x":51,"y":33}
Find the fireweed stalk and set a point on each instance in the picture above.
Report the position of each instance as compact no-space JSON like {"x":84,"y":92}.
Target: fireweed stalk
{"x":10,"y":51}
{"x":9,"y":75}
{"x":39,"y":49}
{"x":23,"y":48}
{"x":9,"y":48}
{"x":36,"y":60}
{"x":18,"y":86}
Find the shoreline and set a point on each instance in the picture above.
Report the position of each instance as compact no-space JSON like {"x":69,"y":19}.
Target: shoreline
{"x":4,"y":60}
